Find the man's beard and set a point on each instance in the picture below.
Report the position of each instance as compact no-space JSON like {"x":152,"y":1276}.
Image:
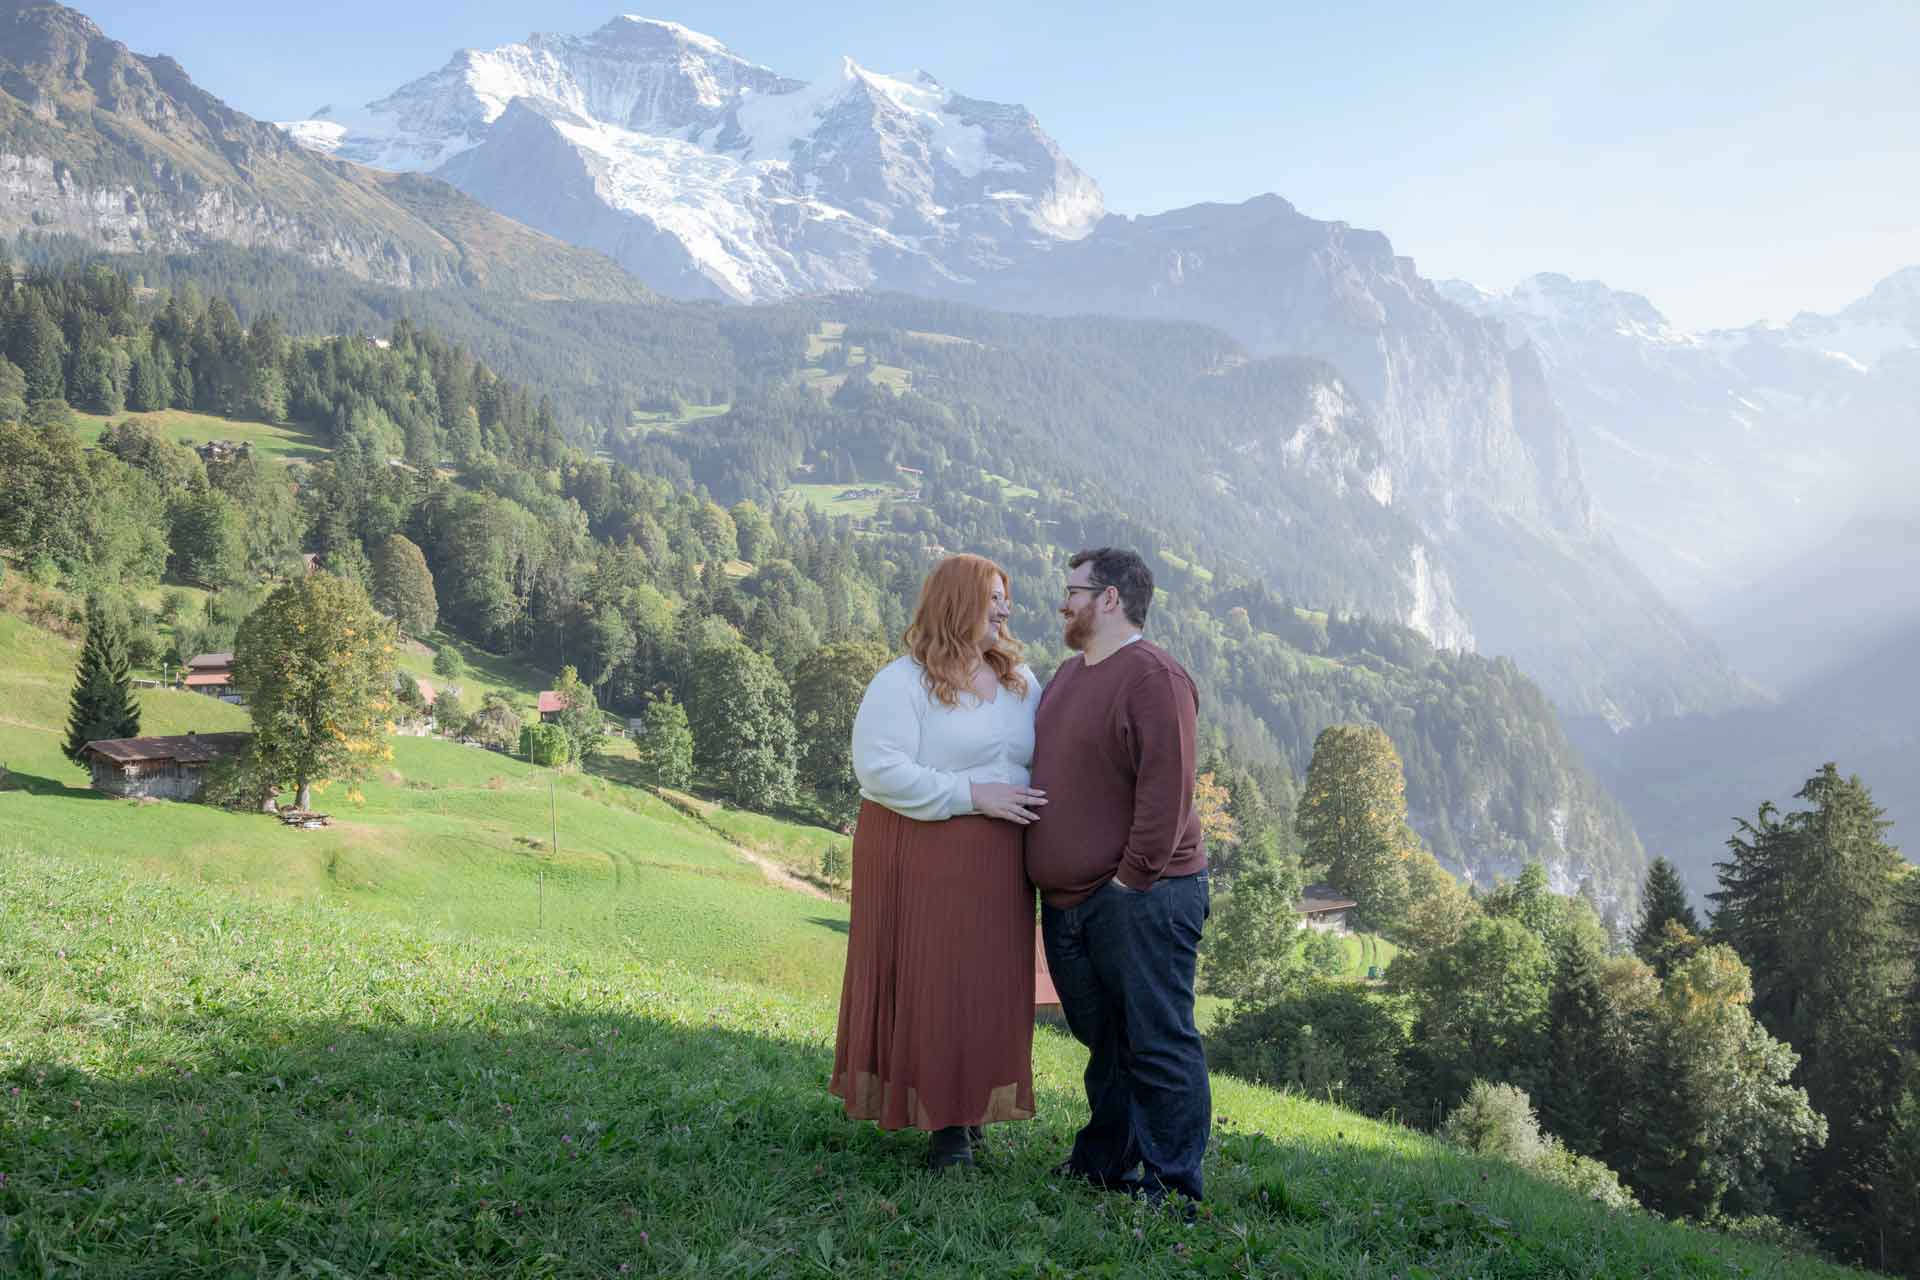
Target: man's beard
{"x":1079,"y":631}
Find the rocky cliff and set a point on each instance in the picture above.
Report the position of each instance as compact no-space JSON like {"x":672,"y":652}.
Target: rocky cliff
{"x":127,"y":153}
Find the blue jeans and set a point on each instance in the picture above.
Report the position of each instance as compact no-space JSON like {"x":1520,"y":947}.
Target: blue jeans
{"x":1123,"y":965}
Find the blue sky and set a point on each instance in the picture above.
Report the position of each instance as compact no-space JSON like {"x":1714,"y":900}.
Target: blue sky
{"x":1732,"y":161}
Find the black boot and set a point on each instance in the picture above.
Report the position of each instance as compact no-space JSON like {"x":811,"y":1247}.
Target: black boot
{"x":948,"y":1148}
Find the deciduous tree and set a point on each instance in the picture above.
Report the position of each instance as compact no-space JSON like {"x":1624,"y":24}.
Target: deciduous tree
{"x":316,"y":663}
{"x":666,"y":743}
{"x":742,"y":719}
{"x":403,"y":586}
{"x":1353,"y":818}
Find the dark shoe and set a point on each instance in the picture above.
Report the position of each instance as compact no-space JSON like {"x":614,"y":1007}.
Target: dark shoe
{"x":1159,"y":1198}
{"x":1068,"y":1169}
{"x":948,"y":1148}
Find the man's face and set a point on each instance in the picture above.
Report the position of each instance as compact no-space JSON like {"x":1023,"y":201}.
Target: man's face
{"x":1079,"y":607}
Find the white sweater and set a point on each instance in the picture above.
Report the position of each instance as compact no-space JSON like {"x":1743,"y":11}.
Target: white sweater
{"x":920,"y":759}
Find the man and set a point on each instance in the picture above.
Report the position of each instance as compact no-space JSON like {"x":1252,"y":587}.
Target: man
{"x":1123,"y":880}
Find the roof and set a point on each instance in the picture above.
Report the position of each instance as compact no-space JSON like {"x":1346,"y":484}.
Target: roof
{"x":186,"y":748}
{"x":1317,"y":898}
{"x":550,"y":701}
{"x":207,"y":679}
{"x":425,"y":686}
{"x":211,"y":660}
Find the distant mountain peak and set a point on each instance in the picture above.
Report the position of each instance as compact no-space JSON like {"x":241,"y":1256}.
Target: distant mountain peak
{"x":710,"y":174}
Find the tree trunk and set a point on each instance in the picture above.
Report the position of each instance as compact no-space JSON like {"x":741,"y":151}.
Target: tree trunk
{"x":303,"y":801}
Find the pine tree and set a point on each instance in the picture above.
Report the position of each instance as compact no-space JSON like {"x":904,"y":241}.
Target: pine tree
{"x":1811,"y":903}
{"x":1664,"y":898}
{"x":1580,"y":1101}
{"x":38,"y":347}
{"x":102,"y":705}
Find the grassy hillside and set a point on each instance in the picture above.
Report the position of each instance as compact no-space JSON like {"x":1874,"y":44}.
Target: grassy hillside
{"x":448,"y":836}
{"x":202,"y":1083}
{"x":417,"y":1044}
{"x":182,"y":426}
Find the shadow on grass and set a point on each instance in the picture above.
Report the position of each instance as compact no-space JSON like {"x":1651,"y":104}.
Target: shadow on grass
{"x":33,"y":784}
{"x":827,"y":922}
{"x":524,"y":1139}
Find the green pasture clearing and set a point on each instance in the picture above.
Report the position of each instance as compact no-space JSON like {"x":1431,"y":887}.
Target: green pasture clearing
{"x":670,"y":422}
{"x":445,"y":835}
{"x":826,"y":336}
{"x":181,"y":426}
{"x":486,"y":673}
{"x":830,"y":336}
{"x":200,"y":1083}
{"x":1365,"y":951}
{"x":1009,"y":490}
{"x":1187,"y":566}
{"x":940,"y":339}
{"x":829,"y":497}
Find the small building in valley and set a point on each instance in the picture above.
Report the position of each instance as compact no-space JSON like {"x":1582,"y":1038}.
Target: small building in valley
{"x":1322,"y":907}
{"x":211,"y":674}
{"x":164,"y":768}
{"x":550,"y":705}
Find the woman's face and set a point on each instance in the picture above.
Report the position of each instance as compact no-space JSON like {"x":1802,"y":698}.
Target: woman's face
{"x":999,"y":609}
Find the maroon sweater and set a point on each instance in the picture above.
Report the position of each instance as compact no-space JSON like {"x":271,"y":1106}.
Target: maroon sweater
{"x":1114,"y":751}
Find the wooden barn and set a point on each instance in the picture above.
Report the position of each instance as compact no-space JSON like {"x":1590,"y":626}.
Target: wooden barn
{"x":1324,"y":908}
{"x":163,"y":768}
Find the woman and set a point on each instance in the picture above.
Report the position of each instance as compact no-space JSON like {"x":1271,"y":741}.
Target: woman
{"x":936,"y":1012}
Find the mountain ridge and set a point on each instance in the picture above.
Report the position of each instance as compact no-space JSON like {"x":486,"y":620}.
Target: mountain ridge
{"x":125,"y":151}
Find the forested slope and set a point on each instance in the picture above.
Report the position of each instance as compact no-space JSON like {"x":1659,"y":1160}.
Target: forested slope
{"x":609,"y":557}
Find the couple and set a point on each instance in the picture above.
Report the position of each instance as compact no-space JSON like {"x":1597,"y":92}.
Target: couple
{"x":979,"y":787}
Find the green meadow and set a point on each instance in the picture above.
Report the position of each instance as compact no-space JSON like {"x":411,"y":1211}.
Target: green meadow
{"x":183,"y":426}
{"x":426,"y":1043}
{"x":831,"y":499}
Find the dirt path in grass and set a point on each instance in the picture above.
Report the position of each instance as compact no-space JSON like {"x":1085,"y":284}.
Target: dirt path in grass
{"x":778,"y":874}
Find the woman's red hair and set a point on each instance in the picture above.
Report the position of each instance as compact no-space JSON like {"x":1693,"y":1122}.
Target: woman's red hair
{"x":944,"y":634}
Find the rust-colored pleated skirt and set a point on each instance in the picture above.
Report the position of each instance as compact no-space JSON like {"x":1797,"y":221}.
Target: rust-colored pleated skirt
{"x":936,"y":1011}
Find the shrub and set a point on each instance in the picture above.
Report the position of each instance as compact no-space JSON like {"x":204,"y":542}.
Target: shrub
{"x":450,"y":710}
{"x":1497,"y":1120}
{"x":1337,"y":1040}
{"x":496,"y":723}
{"x":833,"y":863}
{"x":546,"y":744}
{"x":448,"y":664}
{"x":1323,"y":954}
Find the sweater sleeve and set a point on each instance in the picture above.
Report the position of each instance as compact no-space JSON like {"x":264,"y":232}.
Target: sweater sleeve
{"x":1162,"y":721}
{"x":886,"y":748}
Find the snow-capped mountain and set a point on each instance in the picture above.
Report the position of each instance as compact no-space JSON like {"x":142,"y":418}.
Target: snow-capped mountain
{"x":1718,"y":456}
{"x":710,"y":175}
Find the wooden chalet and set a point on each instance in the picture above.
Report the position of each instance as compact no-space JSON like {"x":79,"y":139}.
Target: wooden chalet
{"x":550,"y":705}
{"x":164,"y":768}
{"x":1322,"y":907}
{"x":211,"y":674}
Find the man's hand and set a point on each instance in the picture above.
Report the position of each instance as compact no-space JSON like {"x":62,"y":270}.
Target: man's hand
{"x":1007,"y":802}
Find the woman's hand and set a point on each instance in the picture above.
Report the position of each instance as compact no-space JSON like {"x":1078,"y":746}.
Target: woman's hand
{"x":1007,"y":802}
